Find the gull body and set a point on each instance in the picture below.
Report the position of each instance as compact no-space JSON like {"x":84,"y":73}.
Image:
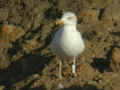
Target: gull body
{"x":68,"y":42}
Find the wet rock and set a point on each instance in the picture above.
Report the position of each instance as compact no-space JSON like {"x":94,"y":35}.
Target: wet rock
{"x":115,"y":59}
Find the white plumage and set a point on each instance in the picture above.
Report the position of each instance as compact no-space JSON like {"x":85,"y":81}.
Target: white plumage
{"x":68,"y":42}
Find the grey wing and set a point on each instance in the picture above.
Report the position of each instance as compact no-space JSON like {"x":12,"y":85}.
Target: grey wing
{"x":55,"y":42}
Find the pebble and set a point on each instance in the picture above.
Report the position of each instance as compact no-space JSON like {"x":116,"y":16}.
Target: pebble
{"x":115,"y":59}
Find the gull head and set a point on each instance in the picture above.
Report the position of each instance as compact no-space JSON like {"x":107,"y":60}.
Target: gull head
{"x":68,"y":18}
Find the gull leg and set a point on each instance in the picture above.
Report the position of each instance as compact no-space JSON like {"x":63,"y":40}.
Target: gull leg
{"x":74,"y":67}
{"x":60,"y":69}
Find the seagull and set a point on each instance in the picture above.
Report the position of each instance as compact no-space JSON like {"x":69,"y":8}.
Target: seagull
{"x":67,"y":42}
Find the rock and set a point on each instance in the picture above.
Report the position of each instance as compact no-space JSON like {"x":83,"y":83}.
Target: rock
{"x":36,"y":84}
{"x":30,"y":45}
{"x":85,"y":73}
{"x":4,"y":42}
{"x":89,"y":16}
{"x":4,"y":61}
{"x":27,"y":81}
{"x":112,"y":13}
{"x":2,"y":87}
{"x":8,"y":34}
{"x":106,"y":16}
{"x":110,"y":80}
{"x":12,"y":32}
{"x":3,"y":14}
{"x":66,"y":72}
{"x":115,"y":59}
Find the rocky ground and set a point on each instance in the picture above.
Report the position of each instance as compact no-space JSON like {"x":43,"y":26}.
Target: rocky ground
{"x":26,"y":30}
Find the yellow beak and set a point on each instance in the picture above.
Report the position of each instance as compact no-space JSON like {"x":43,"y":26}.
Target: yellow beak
{"x":59,"y":22}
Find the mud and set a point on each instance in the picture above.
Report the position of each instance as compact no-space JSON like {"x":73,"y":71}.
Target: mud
{"x":26,"y":30}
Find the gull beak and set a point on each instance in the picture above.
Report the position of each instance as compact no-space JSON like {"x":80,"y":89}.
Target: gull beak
{"x":59,"y":22}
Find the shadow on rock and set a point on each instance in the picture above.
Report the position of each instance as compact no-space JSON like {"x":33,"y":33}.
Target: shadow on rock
{"x":100,"y":64}
{"x":39,"y":88}
{"x":19,"y":70}
{"x":86,"y":87}
{"x":103,"y":64}
{"x":115,"y":33}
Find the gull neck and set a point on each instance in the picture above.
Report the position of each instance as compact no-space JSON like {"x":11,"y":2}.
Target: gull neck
{"x":70,"y":26}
